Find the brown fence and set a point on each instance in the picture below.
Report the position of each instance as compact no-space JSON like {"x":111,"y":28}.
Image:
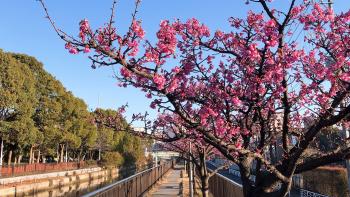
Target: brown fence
{"x":224,"y":187}
{"x":26,"y":169}
{"x":136,"y":185}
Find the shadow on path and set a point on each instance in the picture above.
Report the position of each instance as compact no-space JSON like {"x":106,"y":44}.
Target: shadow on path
{"x":170,"y":185}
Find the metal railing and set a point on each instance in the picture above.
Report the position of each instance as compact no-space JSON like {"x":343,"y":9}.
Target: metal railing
{"x":35,"y":168}
{"x":220,"y":185}
{"x":135,"y":185}
{"x":306,"y":193}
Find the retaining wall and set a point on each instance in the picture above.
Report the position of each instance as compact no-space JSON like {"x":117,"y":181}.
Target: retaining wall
{"x":49,"y":181}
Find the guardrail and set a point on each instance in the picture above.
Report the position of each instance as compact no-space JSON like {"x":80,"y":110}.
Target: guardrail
{"x":135,"y":185}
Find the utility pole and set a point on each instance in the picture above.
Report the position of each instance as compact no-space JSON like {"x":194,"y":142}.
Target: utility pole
{"x":191,"y":174}
{"x":347,"y":162}
{"x":1,"y":151}
{"x":330,"y":4}
{"x":346,"y":135}
{"x":1,"y":154}
{"x":99,"y":148}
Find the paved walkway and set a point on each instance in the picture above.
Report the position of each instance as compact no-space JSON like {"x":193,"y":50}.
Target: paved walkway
{"x":170,"y":186}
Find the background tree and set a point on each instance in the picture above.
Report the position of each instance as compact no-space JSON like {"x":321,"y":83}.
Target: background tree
{"x":17,"y":102}
{"x":41,"y":120}
{"x":48,"y":110}
{"x":106,"y":136}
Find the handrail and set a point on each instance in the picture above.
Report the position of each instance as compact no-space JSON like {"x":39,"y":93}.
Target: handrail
{"x":224,"y":177}
{"x":139,"y":182}
{"x":94,"y":193}
{"x":303,"y":192}
{"x":229,"y":180}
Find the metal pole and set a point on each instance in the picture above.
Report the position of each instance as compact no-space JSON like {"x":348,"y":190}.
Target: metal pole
{"x":347,"y":162}
{"x":330,"y":4}
{"x":1,"y":154}
{"x":191,"y":174}
{"x":1,"y":151}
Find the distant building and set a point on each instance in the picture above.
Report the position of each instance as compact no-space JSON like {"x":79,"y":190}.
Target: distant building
{"x":139,"y":129}
{"x":158,"y":152}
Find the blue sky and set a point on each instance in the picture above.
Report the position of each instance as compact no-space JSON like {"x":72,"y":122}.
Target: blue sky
{"x":25,"y":30}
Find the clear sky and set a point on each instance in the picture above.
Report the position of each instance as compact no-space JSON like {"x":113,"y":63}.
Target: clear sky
{"x":24,"y":29}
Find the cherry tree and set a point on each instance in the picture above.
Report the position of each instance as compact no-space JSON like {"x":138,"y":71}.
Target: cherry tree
{"x":229,"y":88}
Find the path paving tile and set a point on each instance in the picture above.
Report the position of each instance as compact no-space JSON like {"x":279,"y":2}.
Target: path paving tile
{"x":170,"y":186}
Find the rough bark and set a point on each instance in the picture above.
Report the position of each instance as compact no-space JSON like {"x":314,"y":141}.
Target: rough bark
{"x":244,"y":167}
{"x":205,"y":186}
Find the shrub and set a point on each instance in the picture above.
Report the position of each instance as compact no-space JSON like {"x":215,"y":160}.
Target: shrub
{"x":328,"y":180}
{"x":112,"y":159}
{"x":90,"y":162}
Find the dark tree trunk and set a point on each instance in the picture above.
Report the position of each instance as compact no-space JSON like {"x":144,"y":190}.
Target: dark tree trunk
{"x":268,"y":186}
{"x":204,"y":175}
{"x":244,"y":167}
{"x":194,"y":178}
{"x":205,"y":186}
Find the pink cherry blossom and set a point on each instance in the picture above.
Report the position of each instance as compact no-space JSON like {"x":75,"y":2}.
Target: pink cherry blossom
{"x":159,"y":80}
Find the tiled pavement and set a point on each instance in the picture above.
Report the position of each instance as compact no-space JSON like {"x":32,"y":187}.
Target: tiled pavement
{"x":170,"y":185}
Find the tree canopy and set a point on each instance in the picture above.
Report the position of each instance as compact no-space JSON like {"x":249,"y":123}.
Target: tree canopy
{"x":40,"y":120}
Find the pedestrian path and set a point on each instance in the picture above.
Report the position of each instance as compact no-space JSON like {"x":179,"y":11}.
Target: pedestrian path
{"x":170,"y":185}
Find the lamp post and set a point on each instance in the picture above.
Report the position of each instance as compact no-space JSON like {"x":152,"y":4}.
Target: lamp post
{"x":191,"y":174}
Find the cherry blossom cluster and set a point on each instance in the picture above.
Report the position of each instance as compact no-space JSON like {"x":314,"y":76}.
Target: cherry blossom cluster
{"x":228,"y":88}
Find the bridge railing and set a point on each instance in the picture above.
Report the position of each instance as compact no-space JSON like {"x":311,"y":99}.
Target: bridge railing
{"x":135,"y":185}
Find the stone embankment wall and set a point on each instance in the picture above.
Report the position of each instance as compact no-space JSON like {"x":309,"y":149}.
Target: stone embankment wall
{"x":27,"y":185}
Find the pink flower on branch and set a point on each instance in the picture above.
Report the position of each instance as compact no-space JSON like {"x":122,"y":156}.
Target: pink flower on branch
{"x":159,"y":80}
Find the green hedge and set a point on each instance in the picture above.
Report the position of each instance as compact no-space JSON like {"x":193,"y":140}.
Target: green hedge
{"x":328,"y":180}
{"x":112,"y":159}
